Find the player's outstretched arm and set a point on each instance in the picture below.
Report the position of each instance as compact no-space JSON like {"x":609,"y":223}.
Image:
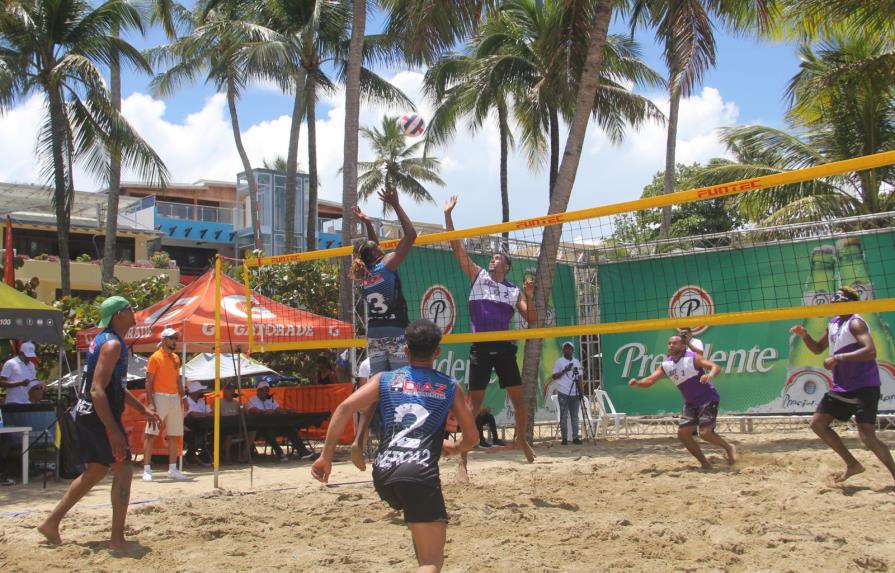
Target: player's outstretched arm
{"x":467,"y":425}
{"x":367,"y":396}
{"x":471,"y":269}
{"x":649,"y":380}
{"x":815,"y":346}
{"x":368,"y":223}
{"x":393,"y":260}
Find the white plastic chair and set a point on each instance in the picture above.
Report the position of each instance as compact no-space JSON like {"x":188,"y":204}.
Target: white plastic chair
{"x":606,"y":413}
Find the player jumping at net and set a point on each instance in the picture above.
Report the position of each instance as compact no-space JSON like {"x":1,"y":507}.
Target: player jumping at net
{"x":493,"y":301}
{"x":856,"y":384}
{"x":414,"y":403}
{"x":384,"y":300}
{"x":701,"y":399}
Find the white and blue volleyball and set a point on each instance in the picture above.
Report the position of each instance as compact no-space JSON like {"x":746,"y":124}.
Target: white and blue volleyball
{"x":412,"y":125}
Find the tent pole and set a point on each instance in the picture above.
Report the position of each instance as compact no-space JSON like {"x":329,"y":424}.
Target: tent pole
{"x":58,"y":413}
{"x":182,"y":382}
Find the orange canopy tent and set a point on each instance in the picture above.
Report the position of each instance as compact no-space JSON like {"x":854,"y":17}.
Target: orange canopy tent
{"x":190,"y":312}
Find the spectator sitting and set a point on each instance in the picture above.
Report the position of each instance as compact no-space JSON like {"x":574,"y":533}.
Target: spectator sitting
{"x":263,"y":403}
{"x":36,"y":392}
{"x":486,"y":418}
{"x":325,"y":372}
{"x":196,"y":408}
{"x":17,"y":374}
{"x":229,"y":404}
{"x":343,"y":366}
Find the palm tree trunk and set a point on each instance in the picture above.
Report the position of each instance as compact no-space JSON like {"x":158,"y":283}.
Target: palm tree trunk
{"x":349,"y":155}
{"x":312,"y":162}
{"x":554,"y":149}
{"x":298,"y":109}
{"x":565,"y":179}
{"x":246,"y":166}
{"x":504,"y":183}
{"x":61,"y":178}
{"x":114,"y":191}
{"x":670,"y":148}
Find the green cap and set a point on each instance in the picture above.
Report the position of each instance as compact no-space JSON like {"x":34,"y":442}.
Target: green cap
{"x":109,"y":308}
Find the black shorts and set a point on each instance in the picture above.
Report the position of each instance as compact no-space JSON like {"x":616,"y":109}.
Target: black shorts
{"x":94,"y":446}
{"x":862,"y":403}
{"x":421,"y":503}
{"x":700,"y":416}
{"x":485,"y":357}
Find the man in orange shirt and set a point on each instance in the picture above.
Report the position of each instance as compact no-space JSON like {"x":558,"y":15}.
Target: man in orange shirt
{"x":164,"y":390}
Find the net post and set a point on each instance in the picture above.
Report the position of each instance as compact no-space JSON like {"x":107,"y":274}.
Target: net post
{"x":217,"y":368}
{"x":248,"y":291}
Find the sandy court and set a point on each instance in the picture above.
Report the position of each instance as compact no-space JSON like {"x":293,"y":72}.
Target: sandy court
{"x":635,"y":504}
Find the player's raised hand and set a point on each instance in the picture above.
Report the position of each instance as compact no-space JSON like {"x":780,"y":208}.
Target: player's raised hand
{"x":389,"y":196}
{"x":798,"y":330}
{"x":360,"y":214}
{"x":450,"y":204}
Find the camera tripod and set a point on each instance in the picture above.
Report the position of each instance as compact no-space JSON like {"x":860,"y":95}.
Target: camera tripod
{"x":582,"y":405}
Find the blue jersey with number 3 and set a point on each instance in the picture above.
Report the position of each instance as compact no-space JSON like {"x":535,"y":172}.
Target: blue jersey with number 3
{"x":386,"y":307}
{"x":414,"y":404}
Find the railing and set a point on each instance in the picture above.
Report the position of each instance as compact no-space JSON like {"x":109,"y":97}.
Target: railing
{"x":195,"y":212}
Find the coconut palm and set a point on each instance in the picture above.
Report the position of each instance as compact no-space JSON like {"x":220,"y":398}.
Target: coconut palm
{"x":851,"y":117}
{"x":173,"y":18}
{"x":57,"y":49}
{"x":396,"y":165}
{"x":229,"y":47}
{"x":537,"y":49}
{"x":587,"y":87}
{"x":685,"y":30}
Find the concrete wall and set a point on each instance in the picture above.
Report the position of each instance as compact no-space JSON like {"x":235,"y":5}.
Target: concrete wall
{"x":84,"y":276}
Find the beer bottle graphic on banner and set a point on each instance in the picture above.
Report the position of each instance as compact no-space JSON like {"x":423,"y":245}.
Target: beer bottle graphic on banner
{"x":807,"y":380}
{"x":853,"y":272}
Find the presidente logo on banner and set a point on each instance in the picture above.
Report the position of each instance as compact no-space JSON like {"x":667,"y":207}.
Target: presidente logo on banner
{"x":437,"y":305}
{"x":689,"y":301}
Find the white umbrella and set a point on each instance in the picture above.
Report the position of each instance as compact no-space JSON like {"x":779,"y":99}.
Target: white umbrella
{"x":136,"y":370}
{"x":202,"y":367}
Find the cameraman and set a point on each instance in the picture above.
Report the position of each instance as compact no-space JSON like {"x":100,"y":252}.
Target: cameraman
{"x":566,"y":372}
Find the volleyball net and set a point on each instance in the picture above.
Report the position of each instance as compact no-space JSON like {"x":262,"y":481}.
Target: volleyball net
{"x":607,"y":280}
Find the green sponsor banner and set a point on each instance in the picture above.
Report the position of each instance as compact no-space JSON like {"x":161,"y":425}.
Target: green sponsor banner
{"x":764,"y":369}
{"x":445,"y":302}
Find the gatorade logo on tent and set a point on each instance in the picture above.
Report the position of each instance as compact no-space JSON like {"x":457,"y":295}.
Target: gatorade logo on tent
{"x":438,"y":306}
{"x":689,"y":301}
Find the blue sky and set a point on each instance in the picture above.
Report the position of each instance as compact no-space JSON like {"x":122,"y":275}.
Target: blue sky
{"x":191,"y":132}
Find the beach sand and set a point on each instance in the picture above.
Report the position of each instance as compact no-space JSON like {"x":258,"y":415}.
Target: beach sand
{"x":636,"y":504}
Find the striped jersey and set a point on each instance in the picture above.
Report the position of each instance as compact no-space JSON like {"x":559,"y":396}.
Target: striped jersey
{"x":386,"y":307}
{"x":414,"y":404}
{"x":849,"y":376}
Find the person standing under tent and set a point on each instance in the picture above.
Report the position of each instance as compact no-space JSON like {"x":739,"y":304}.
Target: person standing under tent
{"x":101,"y":436}
{"x":414,"y":403}
{"x":856,"y":384}
{"x":164,"y":390}
{"x":18,"y":373}
{"x":384,"y":300}
{"x":701,"y":399}
{"x":493,"y":301}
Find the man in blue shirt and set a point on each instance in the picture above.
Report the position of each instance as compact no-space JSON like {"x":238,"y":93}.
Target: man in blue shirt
{"x":414,"y":403}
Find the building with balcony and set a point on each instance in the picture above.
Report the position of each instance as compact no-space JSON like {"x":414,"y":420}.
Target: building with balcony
{"x":34,"y":238}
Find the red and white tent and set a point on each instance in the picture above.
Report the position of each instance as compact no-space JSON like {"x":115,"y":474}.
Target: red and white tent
{"x":191,"y":313}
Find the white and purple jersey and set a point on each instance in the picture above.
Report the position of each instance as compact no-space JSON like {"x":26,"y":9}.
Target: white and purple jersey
{"x":491,"y":304}
{"x":686,"y":375}
{"x":848,"y":376}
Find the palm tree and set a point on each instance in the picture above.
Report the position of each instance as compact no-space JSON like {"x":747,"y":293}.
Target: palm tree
{"x":462,"y":87}
{"x":685,"y":29}
{"x":396,"y":165}
{"x":830,"y":120}
{"x":587,"y":87}
{"x":537,"y":49}
{"x":55,"y":49}
{"x":172,"y":17}
{"x":349,"y":154}
{"x":228,"y":46}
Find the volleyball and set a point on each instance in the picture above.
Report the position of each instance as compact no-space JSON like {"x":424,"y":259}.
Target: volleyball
{"x":412,"y":125}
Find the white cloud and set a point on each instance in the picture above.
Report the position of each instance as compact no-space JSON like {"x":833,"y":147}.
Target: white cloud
{"x":201,"y":147}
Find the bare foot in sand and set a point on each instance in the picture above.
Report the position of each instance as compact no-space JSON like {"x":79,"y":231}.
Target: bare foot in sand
{"x":731,"y":455}
{"x":462,"y":475}
{"x":357,"y":457}
{"x":706,"y":467}
{"x":51,"y":532}
{"x":526,"y":450}
{"x":124,"y":547}
{"x":849,"y":471}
